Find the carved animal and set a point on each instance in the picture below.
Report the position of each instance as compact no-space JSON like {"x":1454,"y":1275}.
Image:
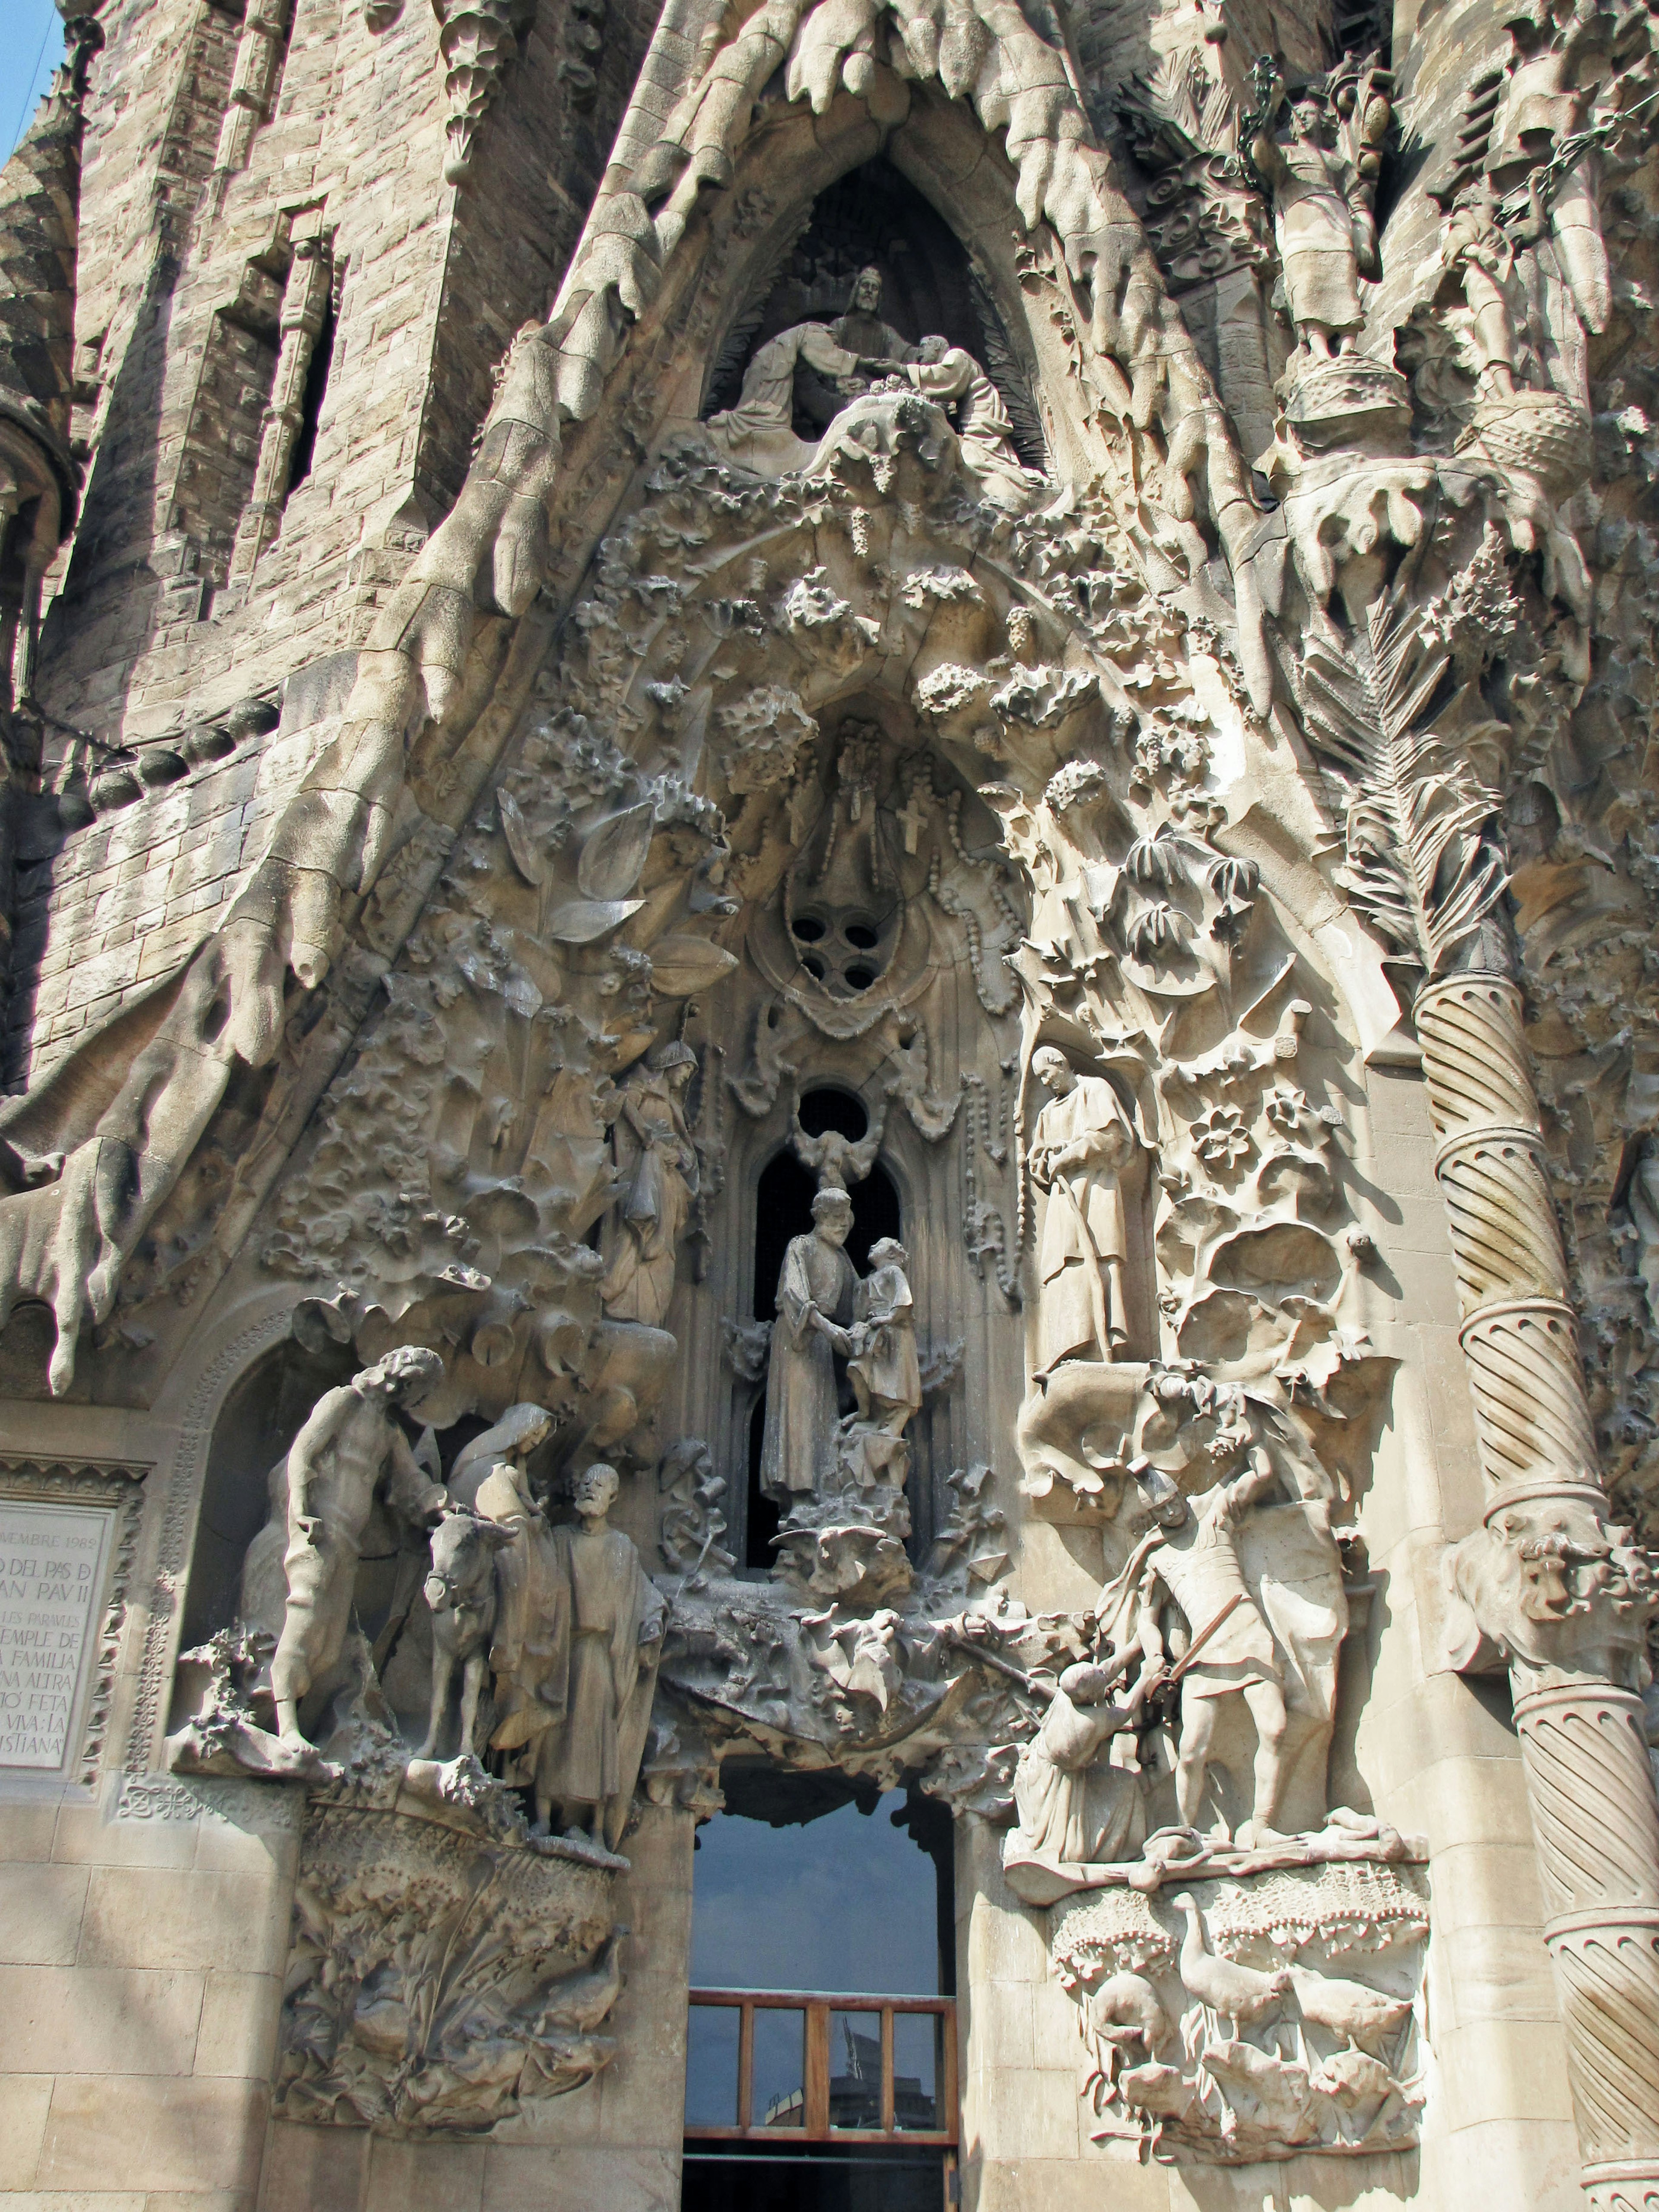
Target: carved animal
{"x":1278,"y":2088}
{"x":1158,"y":2088}
{"x":576,"y":2005}
{"x":1353,"y":2079}
{"x":1122,"y":2012}
{"x":1235,"y":1993}
{"x":1353,"y":2010}
{"x":460,"y":1589}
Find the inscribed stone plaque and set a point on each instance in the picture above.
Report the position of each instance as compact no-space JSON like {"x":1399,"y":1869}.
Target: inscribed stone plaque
{"x":51,"y":1562}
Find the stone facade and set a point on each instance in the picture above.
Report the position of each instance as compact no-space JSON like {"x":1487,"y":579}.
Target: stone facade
{"x":826,"y":872}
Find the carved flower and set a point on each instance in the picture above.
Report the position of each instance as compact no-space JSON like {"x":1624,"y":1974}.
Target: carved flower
{"x":1220,"y":1136}
{"x":1288,"y":1109}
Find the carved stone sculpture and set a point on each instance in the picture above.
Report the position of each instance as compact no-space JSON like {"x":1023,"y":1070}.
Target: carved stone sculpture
{"x":461,"y":1595}
{"x":837,"y":1161}
{"x":336,"y":1464}
{"x":477,"y":1983}
{"x":1323,"y":224}
{"x":586,"y":1765}
{"x":1073,"y":1805}
{"x":1082,"y":1139}
{"x":944,"y":372}
{"x":755,"y":434}
{"x":1216,"y":2029}
{"x":657,"y":1171}
{"x":817,"y":1283}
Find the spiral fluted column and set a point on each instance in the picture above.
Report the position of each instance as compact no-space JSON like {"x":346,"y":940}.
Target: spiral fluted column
{"x":1550,"y":1584}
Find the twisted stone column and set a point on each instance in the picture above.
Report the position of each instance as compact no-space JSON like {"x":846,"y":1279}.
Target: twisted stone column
{"x":1549,"y":1583}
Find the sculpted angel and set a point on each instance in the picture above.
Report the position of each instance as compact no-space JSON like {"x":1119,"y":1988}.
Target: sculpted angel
{"x":1323,"y":225}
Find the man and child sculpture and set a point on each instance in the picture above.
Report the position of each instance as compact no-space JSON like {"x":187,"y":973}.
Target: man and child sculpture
{"x":567,"y":1626}
{"x":826,"y":1310}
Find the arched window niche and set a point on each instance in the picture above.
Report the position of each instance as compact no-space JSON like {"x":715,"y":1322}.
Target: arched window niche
{"x":869,"y":1031}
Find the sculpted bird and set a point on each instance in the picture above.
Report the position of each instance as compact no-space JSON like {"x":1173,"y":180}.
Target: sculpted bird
{"x":1353,"y":2010}
{"x":578,"y":2004}
{"x":1238,"y":1994}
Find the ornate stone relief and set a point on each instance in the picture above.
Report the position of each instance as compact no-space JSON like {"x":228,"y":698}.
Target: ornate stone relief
{"x":440,"y":1980}
{"x":1226,"y":2023}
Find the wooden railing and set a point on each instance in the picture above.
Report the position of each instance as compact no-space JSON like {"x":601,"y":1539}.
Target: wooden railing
{"x":816,"y":2125}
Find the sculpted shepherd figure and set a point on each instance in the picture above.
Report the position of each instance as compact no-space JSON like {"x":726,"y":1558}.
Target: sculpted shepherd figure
{"x":335,"y":1468}
{"x":587,"y":1765}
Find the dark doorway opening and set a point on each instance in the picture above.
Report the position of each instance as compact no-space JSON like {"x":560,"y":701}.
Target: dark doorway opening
{"x":851,"y":1956}
{"x":783,"y":1211}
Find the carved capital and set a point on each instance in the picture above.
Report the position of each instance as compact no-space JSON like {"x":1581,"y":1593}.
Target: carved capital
{"x":1551,"y":1587}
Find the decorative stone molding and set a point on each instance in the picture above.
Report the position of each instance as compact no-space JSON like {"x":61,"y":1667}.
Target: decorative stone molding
{"x":117,"y":1487}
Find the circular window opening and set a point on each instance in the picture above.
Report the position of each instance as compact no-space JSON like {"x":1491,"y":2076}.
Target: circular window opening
{"x":859,"y":977}
{"x":862,"y":934}
{"x":808,"y":928}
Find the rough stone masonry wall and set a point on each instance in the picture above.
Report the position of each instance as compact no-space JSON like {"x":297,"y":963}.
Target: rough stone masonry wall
{"x":433,"y":282}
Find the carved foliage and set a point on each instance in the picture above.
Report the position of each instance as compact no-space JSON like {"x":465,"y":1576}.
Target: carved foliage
{"x":439,"y":1981}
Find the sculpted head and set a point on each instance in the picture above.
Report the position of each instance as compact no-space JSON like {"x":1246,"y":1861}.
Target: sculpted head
{"x":934,"y":349}
{"x":408,"y":1372}
{"x":677,"y":1061}
{"x":596,"y":1490}
{"x":866,"y":290}
{"x":888,"y":1252}
{"x":1308,"y":116}
{"x":832,"y":1215}
{"x":1052,"y":1070}
{"x":1086,"y":1685}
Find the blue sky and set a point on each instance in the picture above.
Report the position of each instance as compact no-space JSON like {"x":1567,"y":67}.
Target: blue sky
{"x":31,"y":47}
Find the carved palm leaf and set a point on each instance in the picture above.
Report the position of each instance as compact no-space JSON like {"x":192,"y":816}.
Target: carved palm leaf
{"x":1423,"y":865}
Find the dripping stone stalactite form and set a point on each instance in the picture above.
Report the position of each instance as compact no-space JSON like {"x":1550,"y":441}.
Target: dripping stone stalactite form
{"x":1550,"y":1584}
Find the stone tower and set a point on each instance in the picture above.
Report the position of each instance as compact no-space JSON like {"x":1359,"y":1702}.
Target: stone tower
{"x":827,"y":863}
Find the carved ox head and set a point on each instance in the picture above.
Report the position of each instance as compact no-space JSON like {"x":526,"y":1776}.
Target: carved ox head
{"x":463,"y":1548}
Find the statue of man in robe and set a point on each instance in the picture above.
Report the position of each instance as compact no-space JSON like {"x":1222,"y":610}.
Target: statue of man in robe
{"x":657,"y":1167}
{"x":588,"y":1763}
{"x":335,"y":1468}
{"x":1082,"y":1142}
{"x":817,"y":1285}
{"x":861,"y":329}
{"x":883,"y":1367}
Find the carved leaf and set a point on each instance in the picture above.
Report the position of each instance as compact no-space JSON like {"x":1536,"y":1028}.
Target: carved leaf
{"x":580,"y":921}
{"x":1425,"y":866}
{"x":681,"y":965}
{"x":615,"y":854}
{"x":527,"y":860}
